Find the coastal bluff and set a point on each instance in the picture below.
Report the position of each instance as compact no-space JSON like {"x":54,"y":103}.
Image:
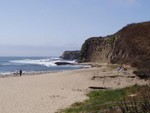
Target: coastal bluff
{"x":70,"y":55}
{"x":130,"y":45}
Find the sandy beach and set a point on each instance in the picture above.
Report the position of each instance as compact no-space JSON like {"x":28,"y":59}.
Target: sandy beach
{"x":47,"y":93}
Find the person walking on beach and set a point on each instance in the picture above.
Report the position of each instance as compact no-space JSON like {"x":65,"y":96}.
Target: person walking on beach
{"x":20,"y":72}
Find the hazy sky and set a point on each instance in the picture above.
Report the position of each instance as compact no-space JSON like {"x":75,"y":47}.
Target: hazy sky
{"x":48,"y":27}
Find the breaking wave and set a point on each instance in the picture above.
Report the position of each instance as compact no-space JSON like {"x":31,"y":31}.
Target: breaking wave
{"x":45,"y":62}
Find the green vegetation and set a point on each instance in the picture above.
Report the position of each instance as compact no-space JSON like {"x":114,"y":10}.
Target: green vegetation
{"x":102,"y":99}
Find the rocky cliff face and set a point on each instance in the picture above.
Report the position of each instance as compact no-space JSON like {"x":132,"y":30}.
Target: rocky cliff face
{"x":70,"y":55}
{"x":130,"y":45}
{"x":97,"y":49}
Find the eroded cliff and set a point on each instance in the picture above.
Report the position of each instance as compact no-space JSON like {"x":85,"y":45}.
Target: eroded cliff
{"x":130,"y":45}
{"x":97,"y":49}
{"x":70,"y":55}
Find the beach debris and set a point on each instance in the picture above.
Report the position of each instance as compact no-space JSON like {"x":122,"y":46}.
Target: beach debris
{"x":95,"y":87}
{"x":132,"y":95}
{"x":54,"y":96}
{"x":76,"y":90}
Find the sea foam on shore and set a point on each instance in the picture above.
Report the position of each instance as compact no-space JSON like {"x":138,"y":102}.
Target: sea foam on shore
{"x":35,"y":65}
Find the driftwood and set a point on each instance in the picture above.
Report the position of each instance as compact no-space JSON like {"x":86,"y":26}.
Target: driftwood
{"x":94,"y":87}
{"x":113,"y":76}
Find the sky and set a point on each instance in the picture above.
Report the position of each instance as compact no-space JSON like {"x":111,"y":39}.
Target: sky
{"x":49,"y":27}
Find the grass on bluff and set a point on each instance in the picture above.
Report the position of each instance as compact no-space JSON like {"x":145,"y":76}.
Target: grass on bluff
{"x":102,"y":99}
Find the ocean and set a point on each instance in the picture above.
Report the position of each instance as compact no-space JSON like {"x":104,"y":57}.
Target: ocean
{"x":30,"y":65}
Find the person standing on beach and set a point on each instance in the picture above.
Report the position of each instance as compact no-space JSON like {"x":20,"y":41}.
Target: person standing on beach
{"x":20,"y":72}
{"x":16,"y":72}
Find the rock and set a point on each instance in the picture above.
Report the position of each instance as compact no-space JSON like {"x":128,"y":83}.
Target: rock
{"x":130,"y":45}
{"x":63,"y":63}
{"x":70,"y":55}
{"x":96,"y":49}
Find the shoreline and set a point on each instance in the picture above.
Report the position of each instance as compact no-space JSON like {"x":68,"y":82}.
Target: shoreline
{"x":25,"y":73}
{"x":50,"y":92}
{"x":12,"y":74}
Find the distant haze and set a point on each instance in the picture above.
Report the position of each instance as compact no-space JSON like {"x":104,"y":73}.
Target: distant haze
{"x":49,"y":27}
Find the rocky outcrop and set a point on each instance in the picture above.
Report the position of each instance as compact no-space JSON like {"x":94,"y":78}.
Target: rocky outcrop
{"x":63,"y":63}
{"x":97,"y":49}
{"x":130,"y":45}
{"x":70,"y":55}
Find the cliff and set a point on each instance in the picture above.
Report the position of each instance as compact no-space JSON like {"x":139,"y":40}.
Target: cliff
{"x":130,"y":45}
{"x":97,"y":49}
{"x":70,"y":55}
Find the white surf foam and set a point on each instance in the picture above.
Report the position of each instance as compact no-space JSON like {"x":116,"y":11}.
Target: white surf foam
{"x":46,"y":62}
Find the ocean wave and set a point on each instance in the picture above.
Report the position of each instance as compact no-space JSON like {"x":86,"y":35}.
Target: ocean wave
{"x":6,"y":73}
{"x":8,"y":64}
{"x":45,"y":62}
{"x":37,"y":62}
